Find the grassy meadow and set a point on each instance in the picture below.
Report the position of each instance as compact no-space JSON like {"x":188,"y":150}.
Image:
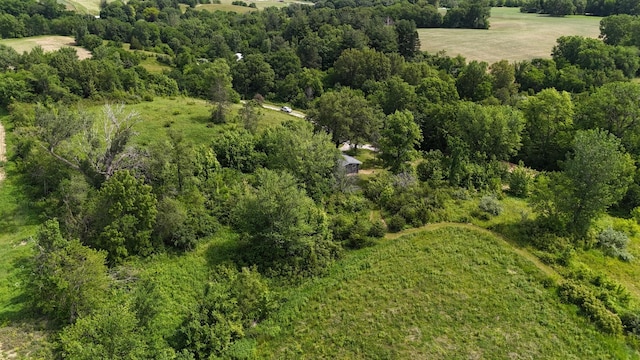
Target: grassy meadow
{"x":47,"y":42}
{"x":460,"y":294}
{"x":83,"y":6}
{"x":513,"y":36}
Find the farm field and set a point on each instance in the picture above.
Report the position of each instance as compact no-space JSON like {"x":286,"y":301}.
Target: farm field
{"x":47,"y":42}
{"x":226,"y":5}
{"x":83,"y":6}
{"x":513,"y":36}
{"x":461,"y":294}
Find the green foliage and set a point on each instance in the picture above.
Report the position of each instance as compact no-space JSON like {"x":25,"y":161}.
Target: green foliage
{"x":123,"y":215}
{"x":599,"y":172}
{"x":490,"y":205}
{"x":68,"y":280}
{"x":398,"y":139}
{"x":347,"y":116}
{"x":211,"y":328}
{"x":548,"y":129}
{"x":614,"y":243}
{"x":520,"y":182}
{"x":309,"y":156}
{"x":286,"y":232}
{"x":593,"y":308}
{"x":111,"y":332}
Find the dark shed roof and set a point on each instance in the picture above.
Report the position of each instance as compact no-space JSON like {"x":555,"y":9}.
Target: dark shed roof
{"x":348,"y":160}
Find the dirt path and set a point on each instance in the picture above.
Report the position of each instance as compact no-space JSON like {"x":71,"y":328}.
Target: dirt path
{"x":518,"y":250}
{"x":3,"y":152}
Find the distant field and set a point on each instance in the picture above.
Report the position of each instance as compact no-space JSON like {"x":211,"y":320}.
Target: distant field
{"x":513,"y":36}
{"x":460,"y":294}
{"x":226,"y":5}
{"x":83,"y":6}
{"x":48,"y":43}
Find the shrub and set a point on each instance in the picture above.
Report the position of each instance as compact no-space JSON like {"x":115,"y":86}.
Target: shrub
{"x":520,"y":182}
{"x":490,"y":205}
{"x":614,"y":243}
{"x":580,"y":295}
{"x":631,"y":323}
{"x":396,"y":223}
{"x":377,"y":229}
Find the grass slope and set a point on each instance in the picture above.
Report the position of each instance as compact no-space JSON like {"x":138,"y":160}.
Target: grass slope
{"x":47,"y":42}
{"x":190,"y":117}
{"x":449,"y":293}
{"x":513,"y":36}
{"x":83,"y":6}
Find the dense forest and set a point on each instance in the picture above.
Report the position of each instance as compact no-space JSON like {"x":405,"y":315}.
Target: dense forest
{"x":444,"y":129}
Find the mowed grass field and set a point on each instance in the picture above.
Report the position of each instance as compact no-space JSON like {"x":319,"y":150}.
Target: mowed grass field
{"x":47,"y":42}
{"x":447,"y":293}
{"x":513,"y":36}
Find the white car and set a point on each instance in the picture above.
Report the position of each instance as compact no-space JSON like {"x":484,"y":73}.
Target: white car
{"x":286,"y":109}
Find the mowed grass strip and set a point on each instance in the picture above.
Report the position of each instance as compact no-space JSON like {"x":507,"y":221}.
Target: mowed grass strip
{"x":513,"y":36}
{"x":47,"y":42}
{"x":450,"y":293}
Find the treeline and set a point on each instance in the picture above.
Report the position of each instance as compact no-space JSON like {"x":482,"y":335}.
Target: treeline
{"x":581,"y":7}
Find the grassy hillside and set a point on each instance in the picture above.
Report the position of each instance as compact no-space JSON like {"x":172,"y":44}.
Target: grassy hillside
{"x":83,"y":6}
{"x":449,"y":293}
{"x":47,"y":42}
{"x":513,"y":36}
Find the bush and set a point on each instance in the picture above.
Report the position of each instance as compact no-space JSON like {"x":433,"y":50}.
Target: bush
{"x":377,"y":229}
{"x":580,"y":295}
{"x":490,"y":205}
{"x":520,"y":182}
{"x":614,"y":243}
{"x":396,"y":223}
{"x":631,"y":323}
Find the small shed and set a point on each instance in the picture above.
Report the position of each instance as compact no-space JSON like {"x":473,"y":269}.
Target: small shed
{"x":351,"y":164}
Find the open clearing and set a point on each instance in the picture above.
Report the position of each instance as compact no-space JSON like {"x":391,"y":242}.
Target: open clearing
{"x":48,"y":43}
{"x":461,"y":294}
{"x":83,"y":6}
{"x":513,"y":36}
{"x":226,"y":5}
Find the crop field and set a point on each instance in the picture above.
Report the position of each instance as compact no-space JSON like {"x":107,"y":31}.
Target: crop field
{"x":47,"y":42}
{"x":461,"y":294}
{"x":513,"y":36}
{"x":226,"y":5}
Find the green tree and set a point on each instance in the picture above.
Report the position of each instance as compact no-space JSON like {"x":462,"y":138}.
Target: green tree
{"x":594,"y":177}
{"x":309,"y":156}
{"x":613,"y":107}
{"x":398,"y":140}
{"x":123,"y":215}
{"x":346,"y":115}
{"x":549,"y":128}
{"x":408,"y":39}
{"x":504,"y":81}
{"x":354,"y":67}
{"x":111,"y":332}
{"x":68,"y":280}
{"x":285,"y":232}
{"x":488,"y":131}
{"x":474,"y":83}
